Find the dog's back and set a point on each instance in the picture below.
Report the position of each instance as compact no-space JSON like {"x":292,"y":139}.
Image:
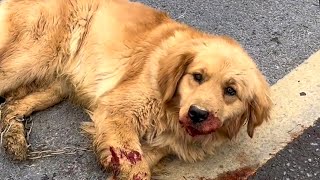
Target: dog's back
{"x":43,"y":40}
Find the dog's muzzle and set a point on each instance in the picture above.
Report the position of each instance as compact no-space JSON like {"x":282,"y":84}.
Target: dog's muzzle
{"x":199,"y":121}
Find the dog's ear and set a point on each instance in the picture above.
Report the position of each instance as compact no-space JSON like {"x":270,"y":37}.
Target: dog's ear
{"x":171,"y":70}
{"x":259,"y":106}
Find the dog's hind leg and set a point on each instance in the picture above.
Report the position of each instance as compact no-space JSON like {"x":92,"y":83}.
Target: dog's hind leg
{"x":31,"y":43}
{"x":12,"y":128}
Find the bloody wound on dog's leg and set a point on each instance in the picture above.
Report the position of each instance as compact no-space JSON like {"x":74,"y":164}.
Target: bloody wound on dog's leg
{"x":118,"y":147}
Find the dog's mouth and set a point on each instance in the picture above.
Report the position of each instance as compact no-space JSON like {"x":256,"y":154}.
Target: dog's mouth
{"x":206,"y":127}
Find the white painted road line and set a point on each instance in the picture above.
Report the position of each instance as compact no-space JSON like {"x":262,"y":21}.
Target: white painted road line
{"x":297,"y":106}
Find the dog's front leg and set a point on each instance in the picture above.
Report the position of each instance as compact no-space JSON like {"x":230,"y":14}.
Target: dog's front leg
{"x":154,"y":154}
{"x":117,"y":145}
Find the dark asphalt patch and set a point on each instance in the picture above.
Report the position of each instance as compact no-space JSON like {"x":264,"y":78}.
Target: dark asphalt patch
{"x":300,"y":160}
{"x":2,"y":100}
{"x":279,"y":34}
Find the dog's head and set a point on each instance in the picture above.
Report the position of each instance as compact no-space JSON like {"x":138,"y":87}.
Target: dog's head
{"x":215,"y":85}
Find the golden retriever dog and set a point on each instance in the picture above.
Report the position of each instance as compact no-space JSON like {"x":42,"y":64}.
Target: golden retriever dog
{"x":151,"y":85}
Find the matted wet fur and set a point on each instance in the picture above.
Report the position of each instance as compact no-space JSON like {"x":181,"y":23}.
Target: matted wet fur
{"x":151,"y":85}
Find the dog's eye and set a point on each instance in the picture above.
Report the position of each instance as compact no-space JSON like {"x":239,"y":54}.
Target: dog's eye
{"x":198,"y":77}
{"x":230,"y":91}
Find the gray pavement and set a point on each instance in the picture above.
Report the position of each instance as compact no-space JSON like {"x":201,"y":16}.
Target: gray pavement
{"x":300,"y":160}
{"x":279,"y":34}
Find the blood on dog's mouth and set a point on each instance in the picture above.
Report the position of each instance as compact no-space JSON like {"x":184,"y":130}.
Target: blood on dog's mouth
{"x":206,"y":127}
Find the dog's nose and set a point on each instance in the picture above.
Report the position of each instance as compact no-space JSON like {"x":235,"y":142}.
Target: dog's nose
{"x":197,"y":115}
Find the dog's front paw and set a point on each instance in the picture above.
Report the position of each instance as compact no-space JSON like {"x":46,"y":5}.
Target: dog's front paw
{"x":127,"y":164}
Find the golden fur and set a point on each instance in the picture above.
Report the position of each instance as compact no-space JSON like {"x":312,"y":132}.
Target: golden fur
{"x":135,"y":70}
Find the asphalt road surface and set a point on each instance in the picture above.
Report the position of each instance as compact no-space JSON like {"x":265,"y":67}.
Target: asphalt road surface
{"x":299,"y":160}
{"x":278,"y":34}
